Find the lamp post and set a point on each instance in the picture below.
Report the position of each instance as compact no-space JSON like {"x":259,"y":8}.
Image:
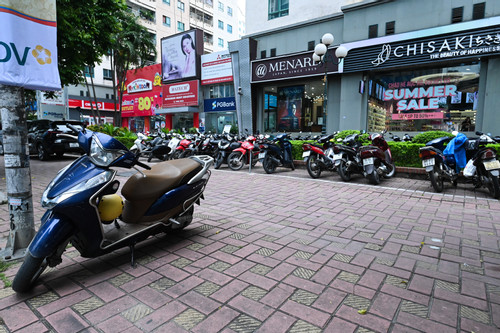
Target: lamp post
{"x":323,"y":56}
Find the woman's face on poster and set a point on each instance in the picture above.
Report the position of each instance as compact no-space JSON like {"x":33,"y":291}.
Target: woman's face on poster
{"x":186,"y":45}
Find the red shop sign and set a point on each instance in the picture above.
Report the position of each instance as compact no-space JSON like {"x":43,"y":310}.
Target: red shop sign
{"x":180,"y":94}
{"x":105,"y":106}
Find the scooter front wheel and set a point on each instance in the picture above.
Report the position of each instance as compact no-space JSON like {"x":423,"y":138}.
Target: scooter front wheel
{"x":29,"y":272}
{"x":344,"y":173}
{"x":236,"y":160}
{"x":374,"y":177}
{"x":177,"y":154}
{"x":218,"y":161}
{"x":268,"y":164}
{"x":312,"y":166}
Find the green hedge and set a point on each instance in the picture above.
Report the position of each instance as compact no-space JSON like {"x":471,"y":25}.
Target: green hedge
{"x":127,"y":141}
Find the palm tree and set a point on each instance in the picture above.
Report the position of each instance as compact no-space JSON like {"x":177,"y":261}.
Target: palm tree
{"x":134,"y":46}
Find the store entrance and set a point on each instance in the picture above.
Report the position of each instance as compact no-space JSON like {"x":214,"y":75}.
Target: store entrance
{"x":216,"y":121}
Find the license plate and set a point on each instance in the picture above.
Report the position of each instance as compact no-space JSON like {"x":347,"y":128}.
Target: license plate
{"x":337,"y":157}
{"x":73,"y":145}
{"x":306,"y":153}
{"x":428,"y":162}
{"x":368,"y":161}
{"x":261,"y":155}
{"x":491,"y":165}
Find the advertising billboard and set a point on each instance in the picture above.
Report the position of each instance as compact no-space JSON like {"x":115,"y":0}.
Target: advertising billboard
{"x":216,"y":68}
{"x":28,"y":44}
{"x":143,"y":94}
{"x":180,"y":94}
{"x":180,"y":55}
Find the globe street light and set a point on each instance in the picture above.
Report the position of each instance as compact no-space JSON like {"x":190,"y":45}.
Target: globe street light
{"x":323,"y":56}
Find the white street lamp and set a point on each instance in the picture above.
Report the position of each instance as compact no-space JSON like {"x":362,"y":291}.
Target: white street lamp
{"x":322,"y":56}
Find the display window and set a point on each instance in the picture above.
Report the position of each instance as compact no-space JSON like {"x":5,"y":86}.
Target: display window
{"x":424,"y":99}
{"x":294,"y":108}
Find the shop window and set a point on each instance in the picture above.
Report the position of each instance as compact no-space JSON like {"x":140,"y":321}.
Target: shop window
{"x":310,"y":45}
{"x":423,"y":100}
{"x":373,"y":31}
{"x":457,"y":14}
{"x":273,"y":52}
{"x":478,"y":10}
{"x":277,"y":8}
{"x":389,"y":27}
{"x":270,"y":111}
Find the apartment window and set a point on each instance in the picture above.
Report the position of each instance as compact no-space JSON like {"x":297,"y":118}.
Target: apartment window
{"x":273,"y":52}
{"x":107,"y":96}
{"x":229,"y":11}
{"x":310,"y":45}
{"x":89,"y":71}
{"x":166,"y":2}
{"x":277,"y":8}
{"x":457,"y":14}
{"x":478,"y":10}
{"x":221,"y":6}
{"x":107,"y":74}
{"x":87,"y":93}
{"x":180,"y":5}
{"x":221,"y":42}
{"x":230,"y":28}
{"x":166,"y":21}
{"x":263,"y":54}
{"x":373,"y":31}
{"x":180,"y":26}
{"x":389,"y":27}
{"x":221,"y":25}
{"x":82,"y":93}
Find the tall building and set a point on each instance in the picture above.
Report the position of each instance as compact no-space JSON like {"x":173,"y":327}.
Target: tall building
{"x":411,"y":66}
{"x":221,"y":22}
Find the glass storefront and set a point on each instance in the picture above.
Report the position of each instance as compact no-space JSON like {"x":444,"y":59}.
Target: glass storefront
{"x":424,"y":99}
{"x":182,"y":120}
{"x":294,"y":108}
{"x":216,"y":121}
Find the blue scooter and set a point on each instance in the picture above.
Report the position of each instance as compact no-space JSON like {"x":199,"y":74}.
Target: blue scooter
{"x":278,"y":152}
{"x":83,"y":208}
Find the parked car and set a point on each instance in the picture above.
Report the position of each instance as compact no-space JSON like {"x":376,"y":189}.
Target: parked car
{"x":43,"y":139}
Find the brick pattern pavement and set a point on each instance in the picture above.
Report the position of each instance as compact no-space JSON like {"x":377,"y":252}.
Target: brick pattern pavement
{"x":275,"y":253}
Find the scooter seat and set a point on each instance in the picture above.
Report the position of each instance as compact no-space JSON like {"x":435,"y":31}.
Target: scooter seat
{"x":162,"y":177}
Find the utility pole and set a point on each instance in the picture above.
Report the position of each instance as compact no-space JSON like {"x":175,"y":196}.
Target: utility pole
{"x":17,"y":172}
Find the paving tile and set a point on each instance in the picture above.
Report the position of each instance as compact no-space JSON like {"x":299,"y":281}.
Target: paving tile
{"x":306,"y":313}
{"x":66,"y":321}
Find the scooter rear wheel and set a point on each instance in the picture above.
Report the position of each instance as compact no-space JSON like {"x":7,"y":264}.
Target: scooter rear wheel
{"x":236,"y":160}
{"x":177,"y":154}
{"x":29,"y":272}
{"x":493,"y":186}
{"x":268,"y":164}
{"x":436,"y":179}
{"x":343,"y":172}
{"x":374,"y":177}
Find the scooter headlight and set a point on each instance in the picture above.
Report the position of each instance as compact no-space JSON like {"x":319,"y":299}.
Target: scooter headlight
{"x":101,"y":178}
{"x":100,"y":156}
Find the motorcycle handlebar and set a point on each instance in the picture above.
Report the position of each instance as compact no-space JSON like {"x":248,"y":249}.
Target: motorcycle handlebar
{"x":143,"y":165}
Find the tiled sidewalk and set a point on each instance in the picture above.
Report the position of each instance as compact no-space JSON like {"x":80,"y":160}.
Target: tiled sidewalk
{"x":275,"y":253}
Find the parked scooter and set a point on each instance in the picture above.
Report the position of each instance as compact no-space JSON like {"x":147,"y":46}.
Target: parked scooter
{"x":248,"y":151}
{"x":140,"y":146}
{"x":159,"y":148}
{"x":319,"y":157}
{"x":225,"y":147}
{"x":377,"y":159}
{"x":83,"y":208}
{"x":181,"y":147}
{"x":347,"y":157}
{"x":482,"y":168}
{"x":276,"y":153}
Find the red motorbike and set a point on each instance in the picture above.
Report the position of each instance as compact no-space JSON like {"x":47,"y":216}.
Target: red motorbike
{"x":377,"y":159}
{"x":248,"y":151}
{"x":181,"y":148}
{"x":319,"y":157}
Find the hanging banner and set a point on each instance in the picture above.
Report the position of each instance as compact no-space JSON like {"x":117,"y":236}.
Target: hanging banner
{"x":28,"y":44}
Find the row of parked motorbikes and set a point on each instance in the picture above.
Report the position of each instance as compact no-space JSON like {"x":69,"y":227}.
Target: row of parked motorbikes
{"x":442,"y":158}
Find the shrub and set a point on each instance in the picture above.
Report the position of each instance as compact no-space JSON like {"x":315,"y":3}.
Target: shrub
{"x":405,"y":154}
{"x":430,"y":135}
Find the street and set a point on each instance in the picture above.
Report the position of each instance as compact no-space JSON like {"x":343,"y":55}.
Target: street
{"x":282,"y":253}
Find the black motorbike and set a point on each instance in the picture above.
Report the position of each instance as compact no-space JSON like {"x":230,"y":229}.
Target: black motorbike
{"x":159,"y":148}
{"x":276,"y":153}
{"x":225,"y":146}
{"x":347,"y":158}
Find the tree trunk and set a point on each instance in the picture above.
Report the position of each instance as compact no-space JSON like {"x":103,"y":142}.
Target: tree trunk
{"x":95,"y":99}
{"x":91,"y":104}
{"x":17,"y":172}
{"x":116,"y":117}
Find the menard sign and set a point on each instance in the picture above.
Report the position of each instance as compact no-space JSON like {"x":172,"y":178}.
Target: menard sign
{"x":291,"y":66}
{"x":430,"y":49}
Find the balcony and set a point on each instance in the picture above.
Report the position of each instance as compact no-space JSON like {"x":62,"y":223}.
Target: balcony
{"x":149,"y":4}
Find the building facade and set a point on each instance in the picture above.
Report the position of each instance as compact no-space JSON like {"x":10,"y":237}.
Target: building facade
{"x":411,"y":67}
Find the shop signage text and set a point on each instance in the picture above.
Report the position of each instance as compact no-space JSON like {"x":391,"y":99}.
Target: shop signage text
{"x":220,"y":104}
{"x":144,"y":92}
{"x":180,"y":94}
{"x":139,"y":85}
{"x":419,"y":98}
{"x":216,"y":68}
{"x":460,"y":45}
{"x":290,"y":66}
{"x":416,"y":116}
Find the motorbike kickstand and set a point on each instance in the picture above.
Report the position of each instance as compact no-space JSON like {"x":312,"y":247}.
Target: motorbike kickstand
{"x":132,"y":255}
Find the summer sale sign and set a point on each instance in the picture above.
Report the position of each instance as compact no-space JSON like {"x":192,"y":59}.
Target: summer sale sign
{"x":28,"y":44}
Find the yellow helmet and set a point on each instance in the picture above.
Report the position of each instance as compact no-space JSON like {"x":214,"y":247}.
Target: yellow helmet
{"x":110,"y":207}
